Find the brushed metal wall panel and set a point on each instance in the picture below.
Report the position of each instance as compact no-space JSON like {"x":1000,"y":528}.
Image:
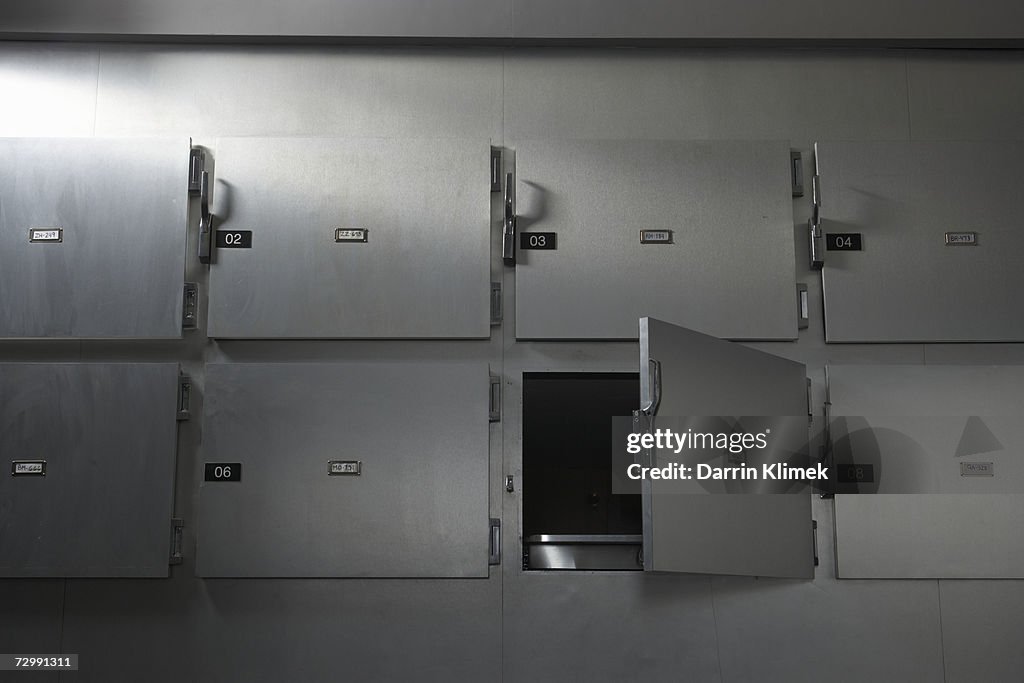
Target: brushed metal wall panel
{"x":108,"y":434}
{"x":704,"y":94}
{"x":49,"y":90}
{"x":423,"y":272}
{"x":907,"y":285}
{"x":419,"y":508}
{"x":720,"y":533}
{"x":123,"y":207}
{"x":729,"y":272}
{"x":939,"y":525}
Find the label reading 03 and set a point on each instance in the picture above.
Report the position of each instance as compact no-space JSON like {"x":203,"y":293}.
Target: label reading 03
{"x":234,"y":239}
{"x":223,"y":471}
{"x":844,"y":241}
{"x":52,"y":235}
{"x":28,"y":468}
{"x":655,"y":237}
{"x":538,"y":240}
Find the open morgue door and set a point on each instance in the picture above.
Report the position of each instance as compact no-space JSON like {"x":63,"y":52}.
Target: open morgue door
{"x":751,"y":528}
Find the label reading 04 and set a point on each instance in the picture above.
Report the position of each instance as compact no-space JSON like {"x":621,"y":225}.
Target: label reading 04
{"x":538,"y":240}
{"x":844,"y":241}
{"x":223,"y":471}
{"x":234,"y":239}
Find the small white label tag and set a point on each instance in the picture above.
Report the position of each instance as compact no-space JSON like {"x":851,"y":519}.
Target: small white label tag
{"x":351,"y":235}
{"x":28,"y":468}
{"x":335,"y":467}
{"x":46,"y":235}
{"x":961,"y":239}
{"x":655,"y":237}
{"x":977,"y":469}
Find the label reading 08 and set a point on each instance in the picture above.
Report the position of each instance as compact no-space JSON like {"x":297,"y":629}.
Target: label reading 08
{"x":538,"y":240}
{"x":234,"y":239}
{"x":844,"y":241}
{"x":223,"y":471}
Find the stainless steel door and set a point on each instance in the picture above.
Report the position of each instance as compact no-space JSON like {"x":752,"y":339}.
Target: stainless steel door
{"x":722,"y":533}
{"x":423,"y":270}
{"x":728,"y":271}
{"x":102,"y":506}
{"x":910,"y":283}
{"x":417,"y":508}
{"x":917,"y":426}
{"x":92,"y":237}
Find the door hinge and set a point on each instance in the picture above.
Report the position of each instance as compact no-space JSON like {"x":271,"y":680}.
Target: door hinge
{"x":496,"y":311}
{"x":190,"y":307}
{"x":803,"y":318}
{"x":816,"y":239}
{"x":796,"y":167}
{"x":495,"y":169}
{"x":494,"y":400}
{"x":184,"y":397}
{"x":177,"y":532}
{"x":814,"y":539}
{"x":508,"y":230}
{"x":494,"y":556}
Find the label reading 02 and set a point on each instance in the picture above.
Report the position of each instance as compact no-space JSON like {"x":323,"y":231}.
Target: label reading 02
{"x":234,"y":239}
{"x":223,"y":471}
{"x":538,"y":240}
{"x":844,"y":241}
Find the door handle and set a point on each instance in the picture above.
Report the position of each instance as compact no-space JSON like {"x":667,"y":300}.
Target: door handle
{"x":205,"y":219}
{"x":654,"y":398}
{"x":508,"y":231}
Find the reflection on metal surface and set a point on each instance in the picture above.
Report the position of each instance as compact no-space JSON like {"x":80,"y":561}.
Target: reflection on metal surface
{"x":611,"y":552}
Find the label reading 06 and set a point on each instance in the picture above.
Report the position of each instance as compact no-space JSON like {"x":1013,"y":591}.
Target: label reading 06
{"x":538,"y":240}
{"x":223,"y":471}
{"x":234,"y":239}
{"x":844,"y":241}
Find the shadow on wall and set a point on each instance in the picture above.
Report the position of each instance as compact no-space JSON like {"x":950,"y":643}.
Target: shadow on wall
{"x":78,"y":16}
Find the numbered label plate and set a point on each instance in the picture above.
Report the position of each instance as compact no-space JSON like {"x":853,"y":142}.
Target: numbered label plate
{"x":655,"y":237}
{"x":844,"y":241}
{"x":223,"y":471}
{"x":538,"y":240}
{"x":351,"y":235}
{"x":977,"y":469}
{"x":28,"y":468}
{"x":855,"y":473}
{"x":234,"y":239}
{"x":961,"y":239}
{"x":50,"y":235}
{"x":344,"y":467}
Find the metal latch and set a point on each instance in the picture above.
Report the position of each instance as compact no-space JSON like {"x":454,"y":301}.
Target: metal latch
{"x":650,"y":407}
{"x":495,"y":542}
{"x":496,"y":310}
{"x":177,"y":532}
{"x":814,"y":539}
{"x":508,"y":230}
{"x":796,"y":168}
{"x":190,"y":306}
{"x":816,"y":239}
{"x":196,"y":164}
{"x":184,"y":397}
{"x":803,"y":317}
{"x":494,"y":407}
{"x":495,"y":169}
